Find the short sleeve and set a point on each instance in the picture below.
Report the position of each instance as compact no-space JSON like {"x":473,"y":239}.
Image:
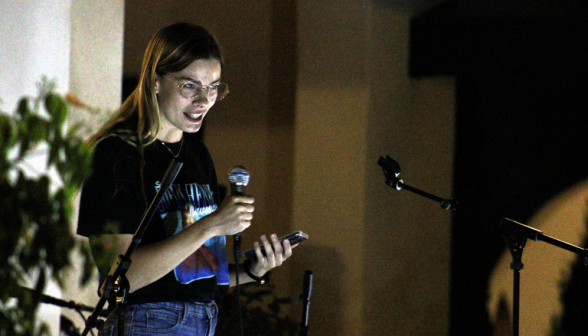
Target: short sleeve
{"x":112,"y":194}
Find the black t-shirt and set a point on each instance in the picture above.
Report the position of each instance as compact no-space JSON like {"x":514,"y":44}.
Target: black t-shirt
{"x":113,"y":193}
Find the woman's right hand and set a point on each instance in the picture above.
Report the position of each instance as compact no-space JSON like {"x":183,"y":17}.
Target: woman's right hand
{"x":233,"y":216}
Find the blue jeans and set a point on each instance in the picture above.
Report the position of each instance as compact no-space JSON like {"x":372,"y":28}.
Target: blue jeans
{"x":165,"y":318}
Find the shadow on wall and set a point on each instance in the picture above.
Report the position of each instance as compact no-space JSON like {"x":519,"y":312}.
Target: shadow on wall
{"x":553,"y":280}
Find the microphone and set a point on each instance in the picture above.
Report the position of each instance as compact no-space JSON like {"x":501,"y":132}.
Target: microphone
{"x":238,"y":180}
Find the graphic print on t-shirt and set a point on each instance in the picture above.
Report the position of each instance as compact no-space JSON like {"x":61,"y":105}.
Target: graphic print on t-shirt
{"x":211,"y":258}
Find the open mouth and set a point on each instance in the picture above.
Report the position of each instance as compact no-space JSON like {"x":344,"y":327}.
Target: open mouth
{"x":194,"y":117}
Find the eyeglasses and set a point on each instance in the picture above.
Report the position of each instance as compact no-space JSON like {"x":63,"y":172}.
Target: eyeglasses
{"x":190,"y":90}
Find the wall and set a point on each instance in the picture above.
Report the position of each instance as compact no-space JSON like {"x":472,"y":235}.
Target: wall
{"x":95,"y":74}
{"x":380,"y":258}
{"x":96,"y":57}
{"x":34,"y":41}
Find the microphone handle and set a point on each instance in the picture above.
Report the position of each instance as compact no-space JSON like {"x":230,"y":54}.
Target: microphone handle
{"x":237,"y":247}
{"x":237,"y":190}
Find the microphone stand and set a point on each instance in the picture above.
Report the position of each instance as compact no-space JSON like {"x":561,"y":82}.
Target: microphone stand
{"x":115,"y":287}
{"x":515,"y":234}
{"x":307,"y":291}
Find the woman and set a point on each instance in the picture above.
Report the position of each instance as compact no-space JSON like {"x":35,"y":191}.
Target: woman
{"x":180,"y":266}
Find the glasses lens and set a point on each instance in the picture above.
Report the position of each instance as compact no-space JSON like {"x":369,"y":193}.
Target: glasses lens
{"x":188,"y":91}
{"x":222,"y":91}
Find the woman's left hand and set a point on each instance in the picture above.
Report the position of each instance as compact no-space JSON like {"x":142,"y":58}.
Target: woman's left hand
{"x":276,"y":254}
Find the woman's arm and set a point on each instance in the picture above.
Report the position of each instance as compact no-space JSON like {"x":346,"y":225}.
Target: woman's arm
{"x":152,"y":262}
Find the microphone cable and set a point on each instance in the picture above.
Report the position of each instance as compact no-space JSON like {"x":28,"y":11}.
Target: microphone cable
{"x":237,"y":257}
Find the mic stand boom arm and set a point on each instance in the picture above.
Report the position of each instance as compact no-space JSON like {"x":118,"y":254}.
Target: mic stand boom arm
{"x":515,"y":234}
{"x":392,"y":172}
{"x":116,"y":284}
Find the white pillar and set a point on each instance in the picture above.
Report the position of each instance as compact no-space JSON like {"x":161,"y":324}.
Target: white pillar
{"x":77,"y":42}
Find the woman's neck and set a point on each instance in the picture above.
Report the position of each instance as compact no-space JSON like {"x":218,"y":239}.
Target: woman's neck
{"x":170,"y":136}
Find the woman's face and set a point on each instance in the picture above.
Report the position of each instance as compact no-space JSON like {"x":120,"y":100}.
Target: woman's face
{"x":179,"y":114}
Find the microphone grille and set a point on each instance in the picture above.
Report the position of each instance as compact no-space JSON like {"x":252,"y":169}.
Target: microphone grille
{"x":238,"y":175}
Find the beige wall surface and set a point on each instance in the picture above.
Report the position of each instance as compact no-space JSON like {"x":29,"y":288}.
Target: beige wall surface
{"x":332,"y":105}
{"x":381,"y":258}
{"x":96,"y":58}
{"x":95,"y":72}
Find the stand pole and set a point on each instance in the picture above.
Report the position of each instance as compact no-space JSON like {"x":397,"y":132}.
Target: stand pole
{"x":516,"y":301}
{"x":515,"y":238}
{"x":307,"y":291}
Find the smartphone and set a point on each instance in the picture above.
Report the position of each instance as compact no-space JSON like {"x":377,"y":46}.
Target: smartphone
{"x":295,"y":237}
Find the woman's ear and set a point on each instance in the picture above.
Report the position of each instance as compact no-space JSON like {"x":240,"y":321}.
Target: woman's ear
{"x":157,"y":85}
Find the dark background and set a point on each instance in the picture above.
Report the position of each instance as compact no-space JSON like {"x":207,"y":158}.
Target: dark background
{"x":522,"y":94}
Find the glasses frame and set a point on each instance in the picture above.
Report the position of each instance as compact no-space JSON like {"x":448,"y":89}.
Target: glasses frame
{"x":207,"y":88}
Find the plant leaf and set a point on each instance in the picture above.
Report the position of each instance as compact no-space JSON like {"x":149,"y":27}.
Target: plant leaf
{"x":57,"y":108}
{"x":23,"y":108}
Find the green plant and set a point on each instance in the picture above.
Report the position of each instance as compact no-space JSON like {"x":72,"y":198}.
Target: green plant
{"x":36,"y":209}
{"x":261,"y":310}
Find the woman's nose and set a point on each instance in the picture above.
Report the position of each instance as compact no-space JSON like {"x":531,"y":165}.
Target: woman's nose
{"x":201,"y":99}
